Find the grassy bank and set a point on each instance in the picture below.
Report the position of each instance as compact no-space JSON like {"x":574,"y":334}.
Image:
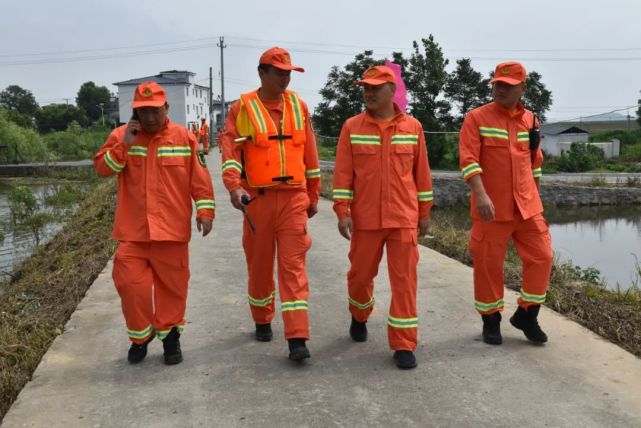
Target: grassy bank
{"x":46,"y":288}
{"x":574,"y":292}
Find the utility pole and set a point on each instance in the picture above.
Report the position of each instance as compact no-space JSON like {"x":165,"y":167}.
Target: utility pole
{"x":222,"y":46}
{"x":211,"y":110}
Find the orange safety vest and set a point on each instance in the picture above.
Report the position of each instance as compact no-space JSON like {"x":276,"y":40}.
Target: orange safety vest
{"x":271,"y":157}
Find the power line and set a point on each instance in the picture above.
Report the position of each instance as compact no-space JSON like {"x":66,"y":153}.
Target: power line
{"x":94,"y":55}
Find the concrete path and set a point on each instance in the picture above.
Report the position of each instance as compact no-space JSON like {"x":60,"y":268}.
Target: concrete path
{"x":229,"y":380}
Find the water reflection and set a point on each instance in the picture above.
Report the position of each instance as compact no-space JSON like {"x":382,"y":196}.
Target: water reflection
{"x":19,"y":242}
{"x":607,"y":238}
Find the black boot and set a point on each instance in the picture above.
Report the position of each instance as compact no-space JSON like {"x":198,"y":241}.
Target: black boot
{"x":297,"y":349}
{"x":526,"y":320}
{"x":492,"y":329}
{"x":405,"y":360}
{"x":171,"y":346}
{"x":138,"y":351}
{"x":358,"y":330}
{"x":264,"y":332}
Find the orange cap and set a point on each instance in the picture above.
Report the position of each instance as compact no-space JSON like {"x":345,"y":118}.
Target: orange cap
{"x":279,"y":58}
{"x":377,"y":75}
{"x":511,"y":73}
{"x":149,"y":94}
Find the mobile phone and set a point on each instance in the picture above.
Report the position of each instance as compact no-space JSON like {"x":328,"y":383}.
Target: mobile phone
{"x":134,"y":116}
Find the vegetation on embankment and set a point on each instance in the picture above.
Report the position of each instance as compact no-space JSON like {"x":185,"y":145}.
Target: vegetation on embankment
{"x":574,"y":292}
{"x":46,"y":288}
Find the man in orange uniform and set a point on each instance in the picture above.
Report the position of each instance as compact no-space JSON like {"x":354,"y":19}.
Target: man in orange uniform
{"x":195,"y":131}
{"x":270,"y":167}
{"x":382,"y":193}
{"x":503,"y":172}
{"x":204,"y":134}
{"x":219,"y":139}
{"x":159,"y":173}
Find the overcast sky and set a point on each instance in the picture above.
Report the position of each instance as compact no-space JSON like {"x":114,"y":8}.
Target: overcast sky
{"x":589,"y":52}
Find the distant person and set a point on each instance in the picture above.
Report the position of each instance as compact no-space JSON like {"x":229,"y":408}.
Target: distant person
{"x":159,"y":174}
{"x":204,"y":135}
{"x":270,"y":167}
{"x":195,"y":130}
{"x":382,"y":196}
{"x":219,"y":139}
{"x":501,"y":160}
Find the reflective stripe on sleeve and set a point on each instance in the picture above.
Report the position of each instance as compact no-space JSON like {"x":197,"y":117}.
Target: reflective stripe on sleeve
{"x":471,"y":169}
{"x":342,"y":194}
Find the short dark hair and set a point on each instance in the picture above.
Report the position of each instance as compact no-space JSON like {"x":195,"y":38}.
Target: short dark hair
{"x":265,"y":67}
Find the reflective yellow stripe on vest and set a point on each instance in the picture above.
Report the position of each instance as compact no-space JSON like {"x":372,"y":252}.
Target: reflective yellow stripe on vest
{"x":405,"y":139}
{"x":137,"y":151}
{"x":494,"y":132}
{"x":523,"y":136}
{"x":166,"y":151}
{"x":374,"y":140}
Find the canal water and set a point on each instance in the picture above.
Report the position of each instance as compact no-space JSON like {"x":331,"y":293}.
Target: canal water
{"x":606,"y":238}
{"x":19,"y":243}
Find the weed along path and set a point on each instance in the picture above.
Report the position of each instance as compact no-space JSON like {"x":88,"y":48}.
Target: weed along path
{"x":229,"y":379}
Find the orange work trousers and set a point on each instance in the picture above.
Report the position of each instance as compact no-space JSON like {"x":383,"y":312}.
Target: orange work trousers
{"x":488,"y":244}
{"x":280,"y":221}
{"x":365,"y":255}
{"x":204,"y":140}
{"x":152,"y":278}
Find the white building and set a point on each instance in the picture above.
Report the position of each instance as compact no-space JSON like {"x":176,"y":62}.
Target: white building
{"x":554,"y":134}
{"x":188,"y":101}
{"x":558,"y":137}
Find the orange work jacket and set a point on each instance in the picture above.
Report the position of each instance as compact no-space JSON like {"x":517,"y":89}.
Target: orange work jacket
{"x":495,"y":143}
{"x":382,"y":176}
{"x":252,"y":159}
{"x":158,"y":176}
{"x":204,"y":131}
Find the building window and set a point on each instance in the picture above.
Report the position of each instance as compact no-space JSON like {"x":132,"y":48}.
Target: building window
{"x":187,"y":90}
{"x":187,"y":108}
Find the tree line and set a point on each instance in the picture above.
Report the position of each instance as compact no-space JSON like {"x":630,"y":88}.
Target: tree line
{"x":93,"y":103}
{"x":438,"y":99}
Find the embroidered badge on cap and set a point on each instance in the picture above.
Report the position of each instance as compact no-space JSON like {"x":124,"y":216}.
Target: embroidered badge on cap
{"x":371,"y":73}
{"x":506,"y":70}
{"x":146,"y":92}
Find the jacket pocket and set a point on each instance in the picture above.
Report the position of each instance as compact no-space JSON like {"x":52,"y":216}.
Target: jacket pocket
{"x":173,"y":161}
{"x":403,"y":159}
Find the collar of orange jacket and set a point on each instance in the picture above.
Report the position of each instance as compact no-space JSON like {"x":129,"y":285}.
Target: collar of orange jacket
{"x":518,"y":111}
{"x":398,"y":114}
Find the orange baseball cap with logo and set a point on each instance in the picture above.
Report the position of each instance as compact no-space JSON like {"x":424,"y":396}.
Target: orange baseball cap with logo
{"x":511,"y":72}
{"x":149,"y":94}
{"x":377,"y":75}
{"x":279,"y":58}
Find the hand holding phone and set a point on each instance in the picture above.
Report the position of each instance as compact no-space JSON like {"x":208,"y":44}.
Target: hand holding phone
{"x":132,"y":129}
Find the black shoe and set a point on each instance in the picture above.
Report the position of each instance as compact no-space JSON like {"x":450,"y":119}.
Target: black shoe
{"x":171,"y":346}
{"x":492,"y":329}
{"x":264,"y":332}
{"x":405,"y":360}
{"x":526,"y":320}
{"x":358,"y":330}
{"x":297,"y":349}
{"x":138,"y":351}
